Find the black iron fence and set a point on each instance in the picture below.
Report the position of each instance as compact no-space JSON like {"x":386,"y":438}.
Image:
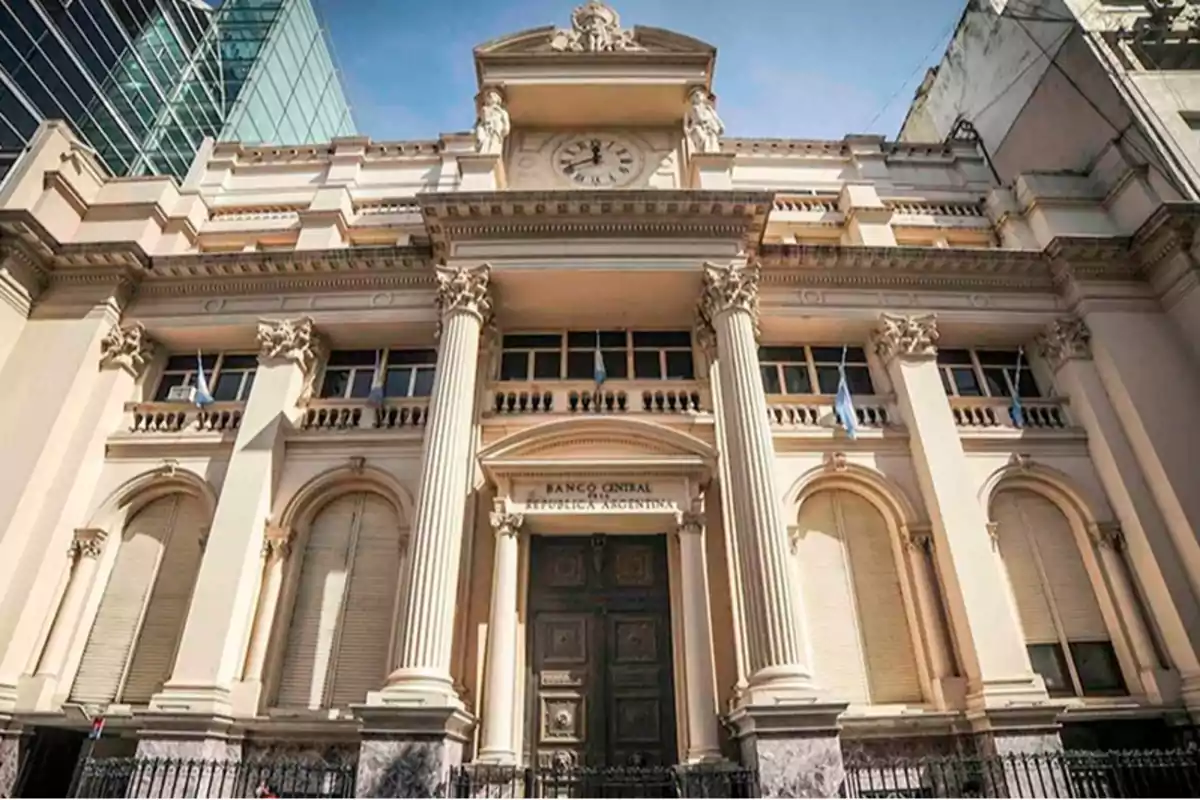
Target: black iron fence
{"x":1150,"y":773}
{"x":484,"y":781}
{"x":179,"y":777}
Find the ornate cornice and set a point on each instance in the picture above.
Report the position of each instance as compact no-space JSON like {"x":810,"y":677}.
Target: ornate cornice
{"x":1091,"y":258}
{"x":455,"y":216}
{"x":1063,"y":340}
{"x":910,"y":337}
{"x":129,"y":348}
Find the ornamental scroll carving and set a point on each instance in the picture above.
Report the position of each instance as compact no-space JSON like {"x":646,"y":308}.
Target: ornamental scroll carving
{"x":464,"y":289}
{"x":595,"y":28}
{"x":289,"y":340}
{"x":726,"y":287}
{"x":506,"y":523}
{"x":129,"y":348}
{"x":1064,"y":340}
{"x":87,"y":543}
{"x":906,"y":336}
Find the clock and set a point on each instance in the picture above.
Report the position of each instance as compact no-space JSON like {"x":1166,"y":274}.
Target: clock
{"x":597,"y":160}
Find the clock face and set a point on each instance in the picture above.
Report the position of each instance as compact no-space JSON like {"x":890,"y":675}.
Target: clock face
{"x":597,"y":160}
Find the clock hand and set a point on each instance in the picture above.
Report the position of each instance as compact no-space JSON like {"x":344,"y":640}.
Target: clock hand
{"x":580,"y":162}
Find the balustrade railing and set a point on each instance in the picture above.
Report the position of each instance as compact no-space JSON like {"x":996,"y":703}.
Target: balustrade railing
{"x":345,"y":415}
{"x":179,"y":418}
{"x":977,"y":413}
{"x":581,"y":397}
{"x":816,"y":411}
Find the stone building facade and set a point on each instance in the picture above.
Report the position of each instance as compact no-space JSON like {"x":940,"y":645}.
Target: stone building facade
{"x":519,"y":446}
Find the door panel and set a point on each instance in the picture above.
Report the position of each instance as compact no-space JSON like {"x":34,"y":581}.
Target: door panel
{"x":600,"y":647}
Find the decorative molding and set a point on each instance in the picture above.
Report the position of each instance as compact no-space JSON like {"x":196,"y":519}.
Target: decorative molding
{"x":918,"y":537}
{"x":129,"y":348}
{"x":464,"y":289}
{"x":294,"y":340}
{"x":1107,"y":535}
{"x":1022,"y":462}
{"x":703,"y":334}
{"x":277,"y":541}
{"x":729,"y":287}
{"x":505,"y":522}
{"x":689,"y":522}
{"x":87,"y":543}
{"x":1064,"y":340}
{"x":910,"y":337}
{"x":834,"y":462}
{"x":993,"y":532}
{"x":357,"y":464}
{"x":169,"y":469}
{"x":595,"y":28}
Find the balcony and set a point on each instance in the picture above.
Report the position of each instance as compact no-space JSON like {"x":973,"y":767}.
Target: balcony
{"x":341,"y":416}
{"x":180,"y":418}
{"x":984,"y":416}
{"x":813,"y":414}
{"x":566,"y":398}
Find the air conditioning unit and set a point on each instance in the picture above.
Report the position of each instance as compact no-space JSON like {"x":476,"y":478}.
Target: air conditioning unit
{"x":181,"y":394}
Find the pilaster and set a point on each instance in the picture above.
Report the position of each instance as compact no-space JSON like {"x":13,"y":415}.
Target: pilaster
{"x":982,"y":616}
{"x":276,"y":550}
{"x":868,"y":220}
{"x":1145,"y":545}
{"x":212,"y":649}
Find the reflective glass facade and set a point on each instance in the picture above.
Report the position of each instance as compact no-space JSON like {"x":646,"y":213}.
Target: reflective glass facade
{"x":144,"y":81}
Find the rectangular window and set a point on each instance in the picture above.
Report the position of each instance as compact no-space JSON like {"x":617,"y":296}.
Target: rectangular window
{"x":1048,"y":661}
{"x":230,"y":376}
{"x":986,"y":373}
{"x":350,"y":374}
{"x":644,"y":355}
{"x":1096,"y":665}
{"x":813,"y":370}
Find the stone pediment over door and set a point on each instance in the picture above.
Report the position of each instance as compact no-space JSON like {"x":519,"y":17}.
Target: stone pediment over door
{"x":646,"y":40}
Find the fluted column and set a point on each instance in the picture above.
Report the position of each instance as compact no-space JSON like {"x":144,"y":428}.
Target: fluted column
{"x":276,"y":546}
{"x":85,"y":551}
{"x":703,"y":742}
{"x":430,"y":580}
{"x":497,"y":745}
{"x":777,"y":656}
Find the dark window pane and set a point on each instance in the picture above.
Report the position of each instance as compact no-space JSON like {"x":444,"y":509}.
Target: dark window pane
{"x":579,"y":365}
{"x":249,"y":385}
{"x":1027,"y":384}
{"x":363,"y":379}
{"x":662,"y":339}
{"x":547,"y":366}
{"x":239,"y":362}
{"x":1097,"y":667}
{"x":396,"y":382}
{"x":770,"y":378}
{"x":966,"y":382}
{"x":514,"y":366}
{"x":645,"y":364}
{"x":615,"y":364}
{"x":954,"y":357}
{"x":398,"y":357}
{"x":946,"y":382}
{"x":180,"y":363}
{"x":588,"y":339}
{"x":335,"y":383}
{"x":613,"y":339}
{"x":165,"y":386}
{"x":827,"y":380}
{"x":352,"y":358}
{"x":796,"y":379}
{"x":679,"y":365}
{"x":832,"y":355}
{"x":1001,"y":358}
{"x":781,"y":354}
{"x":226,"y":388}
{"x":423,"y":385}
{"x":859,"y":380}
{"x":1048,"y":661}
{"x":996,"y":385}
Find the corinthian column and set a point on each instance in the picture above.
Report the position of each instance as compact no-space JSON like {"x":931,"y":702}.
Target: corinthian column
{"x":497,"y":744}
{"x":777,"y":656}
{"x":430,"y":580}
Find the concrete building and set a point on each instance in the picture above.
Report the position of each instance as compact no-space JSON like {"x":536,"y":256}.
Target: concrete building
{"x":143,"y":82}
{"x":522,"y":446}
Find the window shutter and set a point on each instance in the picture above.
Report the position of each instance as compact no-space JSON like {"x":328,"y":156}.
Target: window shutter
{"x":886,"y":638}
{"x":122,"y":602}
{"x":317,"y":609}
{"x":166,"y":613}
{"x":829,"y":601}
{"x":1070,"y":585}
{"x":1016,"y":552}
{"x":366,"y":633}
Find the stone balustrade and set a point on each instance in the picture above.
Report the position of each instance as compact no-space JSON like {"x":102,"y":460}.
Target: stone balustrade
{"x":180,"y":418}
{"x":993,"y":413}
{"x":816,"y":411}
{"x":346,"y":415}
{"x":583,"y":397}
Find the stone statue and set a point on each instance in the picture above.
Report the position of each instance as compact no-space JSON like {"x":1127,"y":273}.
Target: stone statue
{"x":595,"y":28}
{"x":702,"y":125}
{"x":492,"y":126}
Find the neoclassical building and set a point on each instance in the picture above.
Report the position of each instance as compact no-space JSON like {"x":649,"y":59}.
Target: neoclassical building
{"x":519,"y":446}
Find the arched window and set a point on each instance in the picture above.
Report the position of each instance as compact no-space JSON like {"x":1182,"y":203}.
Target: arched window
{"x":1065,"y":633}
{"x":131,"y":648}
{"x":342,"y":617}
{"x":862,"y":645}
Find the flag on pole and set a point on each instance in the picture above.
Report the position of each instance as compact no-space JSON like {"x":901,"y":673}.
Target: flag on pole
{"x":843,"y":404}
{"x":375,"y":397}
{"x":598,"y":370}
{"x":1017,"y":411}
{"x":97,"y":728}
{"x":203,"y":395}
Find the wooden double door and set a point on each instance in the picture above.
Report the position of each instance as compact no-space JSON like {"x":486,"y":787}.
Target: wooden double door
{"x":600,"y":653}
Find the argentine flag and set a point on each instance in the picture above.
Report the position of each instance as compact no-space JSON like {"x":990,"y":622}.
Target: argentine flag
{"x":1016,"y":410}
{"x":598,"y":370}
{"x":203,"y":396}
{"x":375,"y":397}
{"x":843,"y":404}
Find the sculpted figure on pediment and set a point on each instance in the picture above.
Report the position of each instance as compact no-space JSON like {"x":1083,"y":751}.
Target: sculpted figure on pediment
{"x":703,"y":125}
{"x":492,"y":125}
{"x":595,"y":28}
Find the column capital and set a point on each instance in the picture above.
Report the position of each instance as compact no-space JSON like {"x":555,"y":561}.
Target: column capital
{"x":911,"y":337}
{"x":277,"y":540}
{"x":1064,"y":340}
{"x":127,"y":347}
{"x":505,"y":522}
{"x":87,"y":543}
{"x":293,"y":340}
{"x":689,"y":523}
{"x":729,"y":287}
{"x":464,"y":289}
{"x":703,"y":333}
{"x":1107,"y":535}
{"x":918,"y":536}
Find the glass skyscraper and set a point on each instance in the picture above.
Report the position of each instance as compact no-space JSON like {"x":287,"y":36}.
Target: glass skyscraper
{"x":144,"y":81}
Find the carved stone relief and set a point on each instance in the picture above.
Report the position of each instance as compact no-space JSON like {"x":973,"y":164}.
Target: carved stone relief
{"x":129,"y":348}
{"x":595,"y":28}
{"x":1063,"y":340}
{"x":906,"y":336}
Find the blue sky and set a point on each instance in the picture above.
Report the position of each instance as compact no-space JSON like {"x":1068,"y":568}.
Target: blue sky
{"x":786,"y":68}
